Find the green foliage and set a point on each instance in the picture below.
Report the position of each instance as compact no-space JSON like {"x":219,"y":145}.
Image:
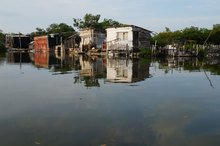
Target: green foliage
{"x":61,"y":28}
{"x":40,"y":31}
{"x":146,"y":60}
{"x":92,"y":21}
{"x":2,"y":36}
{"x":198,"y":35}
{"x":88,"y":81}
{"x":215,"y":36}
{"x":2,"y":47}
{"x":166,"y":37}
{"x":202,"y":53}
{"x":145,"y":52}
{"x":194,"y":33}
{"x":2,"y":41}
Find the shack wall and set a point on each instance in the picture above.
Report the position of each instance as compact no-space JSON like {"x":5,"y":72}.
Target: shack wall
{"x":143,"y":38}
{"x":17,"y":41}
{"x":86,"y":37}
{"x":46,"y":43}
{"x":115,"y":43}
{"x":127,"y":38}
{"x":41,"y":44}
{"x":90,"y":38}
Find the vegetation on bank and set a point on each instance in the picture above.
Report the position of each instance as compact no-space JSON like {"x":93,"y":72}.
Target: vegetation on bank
{"x":193,"y":34}
{"x":146,"y":52}
{"x":192,"y":39}
{"x":2,"y":41}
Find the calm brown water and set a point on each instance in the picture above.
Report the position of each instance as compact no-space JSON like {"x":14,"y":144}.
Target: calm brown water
{"x":66,"y":100}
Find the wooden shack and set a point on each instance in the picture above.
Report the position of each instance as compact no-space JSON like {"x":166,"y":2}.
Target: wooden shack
{"x":16,"y":42}
{"x":46,"y":43}
{"x":72,"y":42}
{"x":90,"y":38}
{"x":128,"y":38}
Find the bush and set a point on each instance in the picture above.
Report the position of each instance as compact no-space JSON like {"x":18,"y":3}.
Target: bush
{"x":2,"y":47}
{"x":145,"y":52}
{"x":202,"y":53}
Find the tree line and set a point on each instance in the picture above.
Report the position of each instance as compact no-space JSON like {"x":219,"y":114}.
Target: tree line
{"x":88,"y":21}
{"x":2,"y":40}
{"x":198,"y":35}
{"x":193,"y":34}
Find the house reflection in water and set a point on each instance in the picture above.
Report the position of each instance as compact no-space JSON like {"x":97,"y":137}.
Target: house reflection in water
{"x":42,"y":59}
{"x":18,"y":57}
{"x":91,"y":70}
{"x":125,"y":70}
{"x":58,"y":64}
{"x":92,"y":66}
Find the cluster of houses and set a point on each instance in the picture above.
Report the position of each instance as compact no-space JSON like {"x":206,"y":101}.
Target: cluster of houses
{"x":126,"y":40}
{"x":117,"y":40}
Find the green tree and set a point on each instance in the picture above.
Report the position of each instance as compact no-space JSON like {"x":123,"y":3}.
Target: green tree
{"x":40,"y":31}
{"x":167,"y":37}
{"x":198,"y":35}
{"x":215,"y":36}
{"x":2,"y":40}
{"x":59,"y":28}
{"x":110,"y":23}
{"x":2,"y":36}
{"x":193,"y":33}
{"x":62,"y":28}
{"x":92,"y":21}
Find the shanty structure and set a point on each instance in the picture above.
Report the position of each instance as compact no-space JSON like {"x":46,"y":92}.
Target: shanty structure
{"x":91,"y":38}
{"x":17,"y":42}
{"x":128,"y":38}
{"x":72,"y":42}
{"x":47,"y":42}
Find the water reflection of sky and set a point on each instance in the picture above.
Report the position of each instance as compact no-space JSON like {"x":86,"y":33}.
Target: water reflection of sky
{"x":165,"y":106}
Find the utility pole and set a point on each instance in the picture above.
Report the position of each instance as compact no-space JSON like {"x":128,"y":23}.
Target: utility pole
{"x":20,"y":39}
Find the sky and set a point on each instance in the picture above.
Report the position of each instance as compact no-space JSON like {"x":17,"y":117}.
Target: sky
{"x":25,"y":15}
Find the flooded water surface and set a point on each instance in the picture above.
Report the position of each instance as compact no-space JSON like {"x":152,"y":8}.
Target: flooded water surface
{"x":66,"y":100}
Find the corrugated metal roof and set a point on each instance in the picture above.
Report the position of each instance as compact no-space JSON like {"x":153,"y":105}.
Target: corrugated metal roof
{"x":133,"y":26}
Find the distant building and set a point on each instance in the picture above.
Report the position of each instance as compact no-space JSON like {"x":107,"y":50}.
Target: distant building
{"x":17,"y":41}
{"x":47,"y":42}
{"x":127,"y":38}
{"x":171,"y":49}
{"x":91,"y":38}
